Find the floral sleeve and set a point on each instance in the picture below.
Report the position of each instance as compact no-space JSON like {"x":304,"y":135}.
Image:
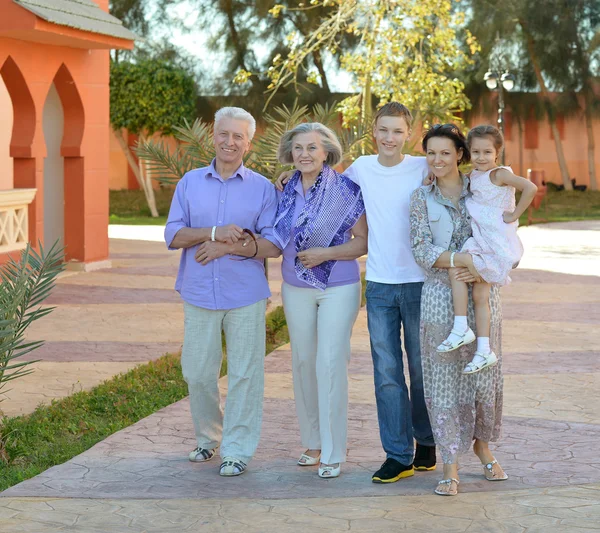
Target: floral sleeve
{"x":421,"y":238}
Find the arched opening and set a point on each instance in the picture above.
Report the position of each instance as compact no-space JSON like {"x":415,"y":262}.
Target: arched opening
{"x":6,"y":127}
{"x":73,"y":191}
{"x":54,"y":169}
{"x":18,"y":221}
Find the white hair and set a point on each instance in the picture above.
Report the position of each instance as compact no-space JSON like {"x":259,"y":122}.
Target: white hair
{"x":329,"y":140}
{"x":239,"y":114}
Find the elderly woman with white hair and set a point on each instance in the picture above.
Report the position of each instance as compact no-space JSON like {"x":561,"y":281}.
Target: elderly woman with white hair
{"x":321,"y":228}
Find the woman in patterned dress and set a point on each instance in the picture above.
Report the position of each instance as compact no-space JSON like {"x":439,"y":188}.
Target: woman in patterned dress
{"x":462,"y":407}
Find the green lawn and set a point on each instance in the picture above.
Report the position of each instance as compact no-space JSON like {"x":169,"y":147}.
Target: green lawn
{"x":129,"y":207}
{"x":564,"y":206}
{"x":55,"y":433}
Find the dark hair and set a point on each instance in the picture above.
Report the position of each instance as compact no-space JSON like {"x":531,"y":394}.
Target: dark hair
{"x":481,"y":132}
{"x":393,"y":109}
{"x":450,"y":131}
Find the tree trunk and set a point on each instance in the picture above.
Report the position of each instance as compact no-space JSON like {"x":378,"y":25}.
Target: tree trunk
{"x":588,"y":95}
{"x":146,"y":178}
{"x":136,"y":172}
{"x":319,"y":64}
{"x":562,"y":162}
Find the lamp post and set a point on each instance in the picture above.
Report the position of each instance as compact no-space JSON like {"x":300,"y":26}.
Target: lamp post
{"x":500,"y":82}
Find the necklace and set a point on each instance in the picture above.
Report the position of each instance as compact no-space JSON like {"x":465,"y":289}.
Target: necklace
{"x":454,"y":196}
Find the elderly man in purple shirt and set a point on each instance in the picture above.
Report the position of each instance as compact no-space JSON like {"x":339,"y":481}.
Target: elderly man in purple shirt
{"x":222,"y":282}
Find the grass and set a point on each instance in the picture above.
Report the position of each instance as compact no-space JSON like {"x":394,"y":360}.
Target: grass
{"x":53,"y":434}
{"x":565,"y":206}
{"x":129,"y":207}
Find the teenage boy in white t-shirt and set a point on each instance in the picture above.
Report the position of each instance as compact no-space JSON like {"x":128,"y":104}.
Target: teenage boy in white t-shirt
{"x":394,"y":283}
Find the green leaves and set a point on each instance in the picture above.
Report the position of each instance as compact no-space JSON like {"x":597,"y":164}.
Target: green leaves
{"x":150,"y":95}
{"x":195,"y":143}
{"x":25,"y":285}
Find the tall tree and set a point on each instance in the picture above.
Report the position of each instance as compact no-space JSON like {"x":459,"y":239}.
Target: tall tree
{"x":406,"y":50}
{"x":529,"y":42}
{"x":572,"y":61}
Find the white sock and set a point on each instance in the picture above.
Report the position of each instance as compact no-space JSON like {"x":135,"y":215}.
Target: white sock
{"x":460,"y":323}
{"x":483,"y":345}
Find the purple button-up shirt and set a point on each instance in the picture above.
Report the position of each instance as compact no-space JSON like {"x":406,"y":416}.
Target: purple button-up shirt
{"x":203,"y":199}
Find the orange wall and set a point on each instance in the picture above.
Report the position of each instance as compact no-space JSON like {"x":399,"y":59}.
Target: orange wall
{"x":543,"y":157}
{"x":84,"y":94}
{"x":121,"y":176}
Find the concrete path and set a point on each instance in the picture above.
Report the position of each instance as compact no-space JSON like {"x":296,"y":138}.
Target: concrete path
{"x":140,"y":480}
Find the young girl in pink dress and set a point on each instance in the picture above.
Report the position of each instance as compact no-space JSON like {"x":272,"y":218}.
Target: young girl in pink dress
{"x":494,"y":249}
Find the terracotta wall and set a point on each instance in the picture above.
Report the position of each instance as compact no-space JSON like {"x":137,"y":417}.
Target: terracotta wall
{"x":81,"y":78}
{"x":121,"y":175}
{"x":6,"y":125}
{"x":536,"y":149}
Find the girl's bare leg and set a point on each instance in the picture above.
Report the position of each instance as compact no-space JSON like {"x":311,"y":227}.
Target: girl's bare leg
{"x":460,"y":294}
{"x":481,"y":300}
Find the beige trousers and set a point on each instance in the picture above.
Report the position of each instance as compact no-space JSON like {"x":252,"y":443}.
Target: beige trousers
{"x":320,"y":325}
{"x":238,"y":432}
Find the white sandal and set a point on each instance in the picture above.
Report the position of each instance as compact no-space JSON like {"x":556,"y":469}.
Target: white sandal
{"x":307,"y":460}
{"x":452,"y":491}
{"x":480,"y":361}
{"x":461,"y":338}
{"x":490,"y":475}
{"x":327,"y":471}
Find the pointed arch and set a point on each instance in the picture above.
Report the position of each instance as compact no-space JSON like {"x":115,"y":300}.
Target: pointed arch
{"x":73,"y":112}
{"x":23,"y":109}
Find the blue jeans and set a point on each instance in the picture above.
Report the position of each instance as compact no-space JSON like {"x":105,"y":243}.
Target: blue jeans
{"x":390,"y":307}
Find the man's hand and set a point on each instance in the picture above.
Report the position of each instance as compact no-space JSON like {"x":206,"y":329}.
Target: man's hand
{"x":463,"y":274}
{"x":283,"y":178}
{"x":229,"y":234}
{"x":509,"y":217}
{"x":312,"y":257}
{"x":208,"y":251}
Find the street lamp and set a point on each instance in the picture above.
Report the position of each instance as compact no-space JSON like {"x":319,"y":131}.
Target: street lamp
{"x":500,"y":82}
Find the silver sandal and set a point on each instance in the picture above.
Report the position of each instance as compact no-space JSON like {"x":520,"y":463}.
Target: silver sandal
{"x":488,"y":472}
{"x":451,"y":491}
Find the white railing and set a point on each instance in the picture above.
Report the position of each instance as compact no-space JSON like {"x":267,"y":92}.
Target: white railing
{"x":14,"y":227}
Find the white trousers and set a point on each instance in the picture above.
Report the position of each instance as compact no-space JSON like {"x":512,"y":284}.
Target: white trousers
{"x":238,"y":432}
{"x":320,"y":326}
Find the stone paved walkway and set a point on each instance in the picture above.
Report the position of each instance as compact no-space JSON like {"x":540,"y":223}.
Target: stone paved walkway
{"x":139,"y":480}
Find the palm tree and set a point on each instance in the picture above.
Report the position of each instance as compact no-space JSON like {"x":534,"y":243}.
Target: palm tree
{"x":25,"y":285}
{"x":195,"y":143}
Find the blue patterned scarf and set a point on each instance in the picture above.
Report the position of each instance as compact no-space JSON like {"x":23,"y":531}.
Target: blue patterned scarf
{"x":333,"y":205}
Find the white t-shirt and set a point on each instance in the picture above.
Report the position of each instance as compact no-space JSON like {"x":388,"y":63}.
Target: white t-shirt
{"x":386,"y":192}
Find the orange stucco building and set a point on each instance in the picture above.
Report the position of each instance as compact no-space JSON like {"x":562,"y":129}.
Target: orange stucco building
{"x":54,"y":125}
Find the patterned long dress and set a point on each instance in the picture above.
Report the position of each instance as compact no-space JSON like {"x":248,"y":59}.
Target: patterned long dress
{"x":461,"y":407}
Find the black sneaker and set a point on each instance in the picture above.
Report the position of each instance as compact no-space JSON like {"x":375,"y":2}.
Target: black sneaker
{"x":424,"y":457}
{"x":391,"y":471}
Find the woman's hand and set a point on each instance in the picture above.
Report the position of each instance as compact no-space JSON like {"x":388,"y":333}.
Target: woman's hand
{"x":283,"y":178}
{"x":313,"y":257}
{"x":209,"y":251}
{"x":465,"y":275}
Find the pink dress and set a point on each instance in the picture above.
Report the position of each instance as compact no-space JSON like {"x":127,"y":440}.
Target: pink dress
{"x":495,"y":246}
